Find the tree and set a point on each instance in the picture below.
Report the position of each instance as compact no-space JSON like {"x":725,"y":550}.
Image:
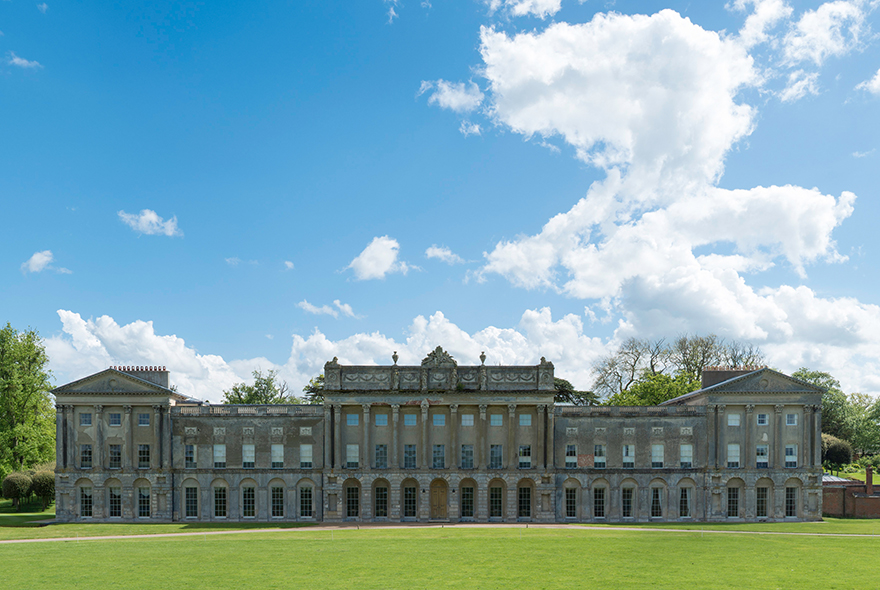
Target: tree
{"x":566,"y":393}
{"x":44,"y":487}
{"x":863,"y":424}
{"x":267,"y":389}
{"x":687,"y":355}
{"x":27,"y":417}
{"x":655,"y":388}
{"x":836,"y":419}
{"x":16,"y":487}
{"x":315,"y":390}
{"x":835,"y":452}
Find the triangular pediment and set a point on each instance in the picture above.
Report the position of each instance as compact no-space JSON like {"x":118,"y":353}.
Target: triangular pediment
{"x":764,"y":381}
{"x":113,"y":382}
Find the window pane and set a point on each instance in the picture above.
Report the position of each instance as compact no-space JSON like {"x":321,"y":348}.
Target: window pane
{"x":248,"y":502}
{"x":351,"y":419}
{"x":278,"y":501}
{"x":467,"y":419}
{"x":220,"y":456}
{"x":277,"y":456}
{"x":467,"y":502}
{"x":525,"y":419}
{"x":439,"y":457}
{"x":409,"y":419}
{"x":191,"y":496}
{"x":381,"y":419}
{"x":305,"y":456}
{"x":247,"y":456}
{"x":495,"y":420}
{"x":352,"y":456}
{"x":409,"y":456}
{"x":439,"y":419}
{"x":599,"y":503}
{"x":525,"y":503}
{"x":381,"y":502}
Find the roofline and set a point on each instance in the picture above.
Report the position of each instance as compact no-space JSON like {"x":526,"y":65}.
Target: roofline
{"x":170,"y":392}
{"x":738,"y":378}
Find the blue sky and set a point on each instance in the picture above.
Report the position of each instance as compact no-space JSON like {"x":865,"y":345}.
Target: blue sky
{"x":216,"y":188}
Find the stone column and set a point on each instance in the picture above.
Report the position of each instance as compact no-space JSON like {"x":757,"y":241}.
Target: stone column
{"x":337,"y":437}
{"x":395,"y":419}
{"x":551,"y":439}
{"x":482,"y":440}
{"x":817,"y":435}
{"x":71,"y":437}
{"x":722,"y":436}
{"x":367,"y":454}
{"x":61,"y":443}
{"x":424,"y":442}
{"x":511,"y":443}
{"x":750,"y":451}
{"x":542,"y":448}
{"x":128,"y":457}
{"x":777,"y":437}
{"x":328,"y":438}
{"x":712,"y":423}
{"x":166,"y":436}
{"x":453,"y":437}
{"x":155,"y":448}
{"x":98,"y":459}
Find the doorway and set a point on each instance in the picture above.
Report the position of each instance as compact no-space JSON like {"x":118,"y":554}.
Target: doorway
{"x":439,"y":510}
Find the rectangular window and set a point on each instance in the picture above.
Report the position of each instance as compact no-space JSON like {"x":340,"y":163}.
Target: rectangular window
{"x":495,"y":456}
{"x":352,"y":456}
{"x":657,"y":456}
{"x":733,"y":419}
{"x":656,"y":503}
{"x":496,"y":419}
{"x":382,"y":502}
{"x":143,"y":456}
{"x":85,"y":456}
{"x":143,"y":419}
{"x":791,"y":502}
{"x":761,"y":502}
{"x":85,"y":419}
{"x":791,"y":419}
{"x":762,"y":456}
{"x":220,"y":456}
{"x":409,"y":456}
{"x":626,"y":504}
{"x":351,"y":419}
{"x":219,"y":502}
{"x":85,"y":502}
{"x":467,"y":502}
{"x":686,"y":452}
{"x":525,"y":456}
{"x":467,"y":419}
{"x":409,"y":419}
{"x":191,"y":502}
{"x":598,"y":457}
{"x":115,"y":502}
{"x":248,"y":502}
{"x":599,"y":503}
{"x":733,"y":456}
{"x":629,"y":456}
{"x":439,"y":457}
{"x":410,"y":499}
{"x":791,"y":455}
{"x":732,"y":502}
{"x":278,"y":501}
{"x":352,"y":502}
{"x":189,"y":456}
{"x":524,"y":504}
{"x":439,"y":419}
{"x":467,"y":456}
{"x":381,"y":456}
{"x":381,"y":419}
{"x":525,"y":419}
{"x":495,"y":502}
{"x":570,"y":503}
{"x":277,"y":456}
{"x":115,"y":419}
{"x":763,"y":420}
{"x":684,"y":503}
{"x":305,"y":456}
{"x":143,"y":502}
{"x":247,"y":456}
{"x":571,"y":457}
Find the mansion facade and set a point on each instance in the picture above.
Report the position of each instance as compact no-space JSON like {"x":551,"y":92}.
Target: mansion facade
{"x":438,"y":442}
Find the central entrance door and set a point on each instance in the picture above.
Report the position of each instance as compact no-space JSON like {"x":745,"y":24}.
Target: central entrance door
{"x":439,"y":500}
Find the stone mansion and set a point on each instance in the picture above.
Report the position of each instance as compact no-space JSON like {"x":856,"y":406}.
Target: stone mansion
{"x":438,"y":442}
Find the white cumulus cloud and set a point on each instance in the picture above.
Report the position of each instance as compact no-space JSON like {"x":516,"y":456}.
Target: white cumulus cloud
{"x":38,"y":262}
{"x":799,"y":85}
{"x":872,"y":85}
{"x":456,"y":96}
{"x":288,"y":265}
{"x":378,"y":259}
{"x":766,"y":15}
{"x":540,"y":8}
{"x":444,"y":254}
{"x":831,"y":30}
{"x":21,"y":62}
{"x":150,"y":223}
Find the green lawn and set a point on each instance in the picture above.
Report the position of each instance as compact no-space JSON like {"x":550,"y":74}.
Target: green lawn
{"x":450,"y":557}
{"x":846,"y":526}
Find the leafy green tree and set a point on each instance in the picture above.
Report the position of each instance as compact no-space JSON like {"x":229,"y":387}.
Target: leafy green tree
{"x":267,"y":389}
{"x":17,"y":487}
{"x":44,"y":487}
{"x":566,"y":393}
{"x":836,"y":409}
{"x":655,"y":388}
{"x":863,"y":423}
{"x":835,"y":452}
{"x":27,"y":416}
{"x":315,"y":390}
